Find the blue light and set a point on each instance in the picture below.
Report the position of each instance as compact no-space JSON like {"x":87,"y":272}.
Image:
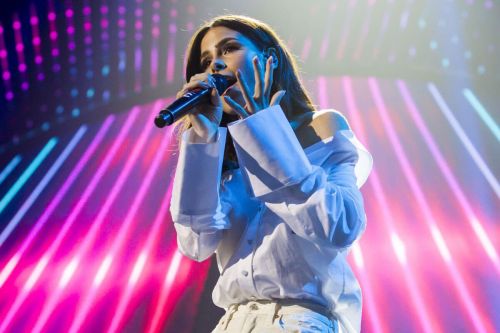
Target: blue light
{"x":105,"y":70}
{"x":75,"y":112}
{"x":433,"y":45}
{"x":8,"y":169}
{"x":74,"y":92}
{"x":59,"y":109}
{"x":490,"y":122}
{"x":45,"y":126}
{"x":27,"y":173}
{"x":90,"y":93}
{"x":445,"y":62}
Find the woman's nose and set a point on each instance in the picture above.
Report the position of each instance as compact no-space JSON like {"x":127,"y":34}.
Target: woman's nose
{"x":218,"y":65}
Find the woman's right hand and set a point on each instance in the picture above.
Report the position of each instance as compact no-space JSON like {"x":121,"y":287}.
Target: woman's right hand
{"x":205,"y":118}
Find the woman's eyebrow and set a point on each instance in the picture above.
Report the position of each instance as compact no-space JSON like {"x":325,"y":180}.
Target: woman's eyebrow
{"x":219,"y":44}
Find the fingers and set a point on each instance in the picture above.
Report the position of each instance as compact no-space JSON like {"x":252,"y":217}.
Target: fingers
{"x":268,"y":79}
{"x":244,"y":91}
{"x":236,"y":107}
{"x":259,"y":79}
{"x":277,"y":97}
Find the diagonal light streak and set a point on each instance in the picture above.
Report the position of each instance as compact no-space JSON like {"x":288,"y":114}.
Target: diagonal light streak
{"x":476,"y":157}
{"x":150,"y":240}
{"x":27,"y":174}
{"x":74,"y":213}
{"x":41,"y":186}
{"x":449,"y":177}
{"x":467,"y":301}
{"x":9,"y":168}
{"x":165,"y":290}
{"x":425,"y":319}
{"x":485,"y":116}
{"x":79,"y":253}
{"x":121,"y":237}
{"x":12,"y":263}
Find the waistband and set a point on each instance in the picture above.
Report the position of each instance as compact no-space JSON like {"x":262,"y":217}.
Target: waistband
{"x":282,"y":305}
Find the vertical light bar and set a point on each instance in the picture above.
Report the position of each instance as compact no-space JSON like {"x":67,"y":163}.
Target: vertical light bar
{"x":425,"y":319}
{"x":383,"y":28}
{"x":471,"y":308}
{"x":449,"y":177}
{"x":345,"y":30}
{"x":306,"y":48}
{"x":138,"y":47}
{"x":41,"y":186}
{"x":26,"y":175}
{"x":325,"y":42}
{"x":476,"y":157}
{"x":155,"y":35}
{"x":481,"y":111}
{"x":4,"y":67}
{"x":87,"y":41}
{"x":10,"y":167}
{"x":105,"y":69}
{"x":18,"y":39}
{"x":171,"y":58}
{"x":122,"y":53}
{"x":322,"y":91}
{"x":165,"y":290}
{"x":56,"y":67}
{"x":364,"y":32}
{"x":36,"y":41}
{"x":61,"y":193}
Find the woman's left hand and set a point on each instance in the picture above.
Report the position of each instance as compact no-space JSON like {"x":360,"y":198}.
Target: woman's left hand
{"x":262,"y":91}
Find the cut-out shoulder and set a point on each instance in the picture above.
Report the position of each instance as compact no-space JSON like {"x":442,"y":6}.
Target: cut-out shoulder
{"x":319,"y":125}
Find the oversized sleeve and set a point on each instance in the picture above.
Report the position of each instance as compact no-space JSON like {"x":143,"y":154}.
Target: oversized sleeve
{"x":321,"y":203}
{"x":197,"y":211}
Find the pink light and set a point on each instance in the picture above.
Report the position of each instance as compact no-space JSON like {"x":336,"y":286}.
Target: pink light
{"x":36,"y":40}
{"x":152,"y":237}
{"x":16,"y":25}
{"x":87,"y":26}
{"x":464,"y":294}
{"x":9,"y":95}
{"x":55,"y":52}
{"x":138,"y":267}
{"x":52,"y":16}
{"x":6,"y":75}
{"x":53,"y":35}
{"x":87,"y":11}
{"x":68,"y":273}
{"x":449,"y":176}
{"x":322,"y":91}
{"x":3,"y":54}
{"x":70,"y":30}
{"x":69,"y":13}
{"x":7,"y":270}
{"x":306,"y":49}
{"x":19,"y":47}
{"x":22,"y":67}
{"x":34,"y":20}
{"x":425,"y":319}
{"x":167,"y":285}
{"x":103,"y":270}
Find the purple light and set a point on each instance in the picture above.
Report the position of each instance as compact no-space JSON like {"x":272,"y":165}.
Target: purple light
{"x":104,"y":23}
{"x":71,"y":46}
{"x":70,"y":30}
{"x":53,"y":35}
{"x":173,"y":13}
{"x":69,"y":13}
{"x":122,"y":10}
{"x":52,"y":16}
{"x":9,"y":95}
{"x":3,"y":54}
{"x":6,"y":75}
{"x":86,"y":11}
{"x":104,"y":9}
{"x":40,"y":77}
{"x":22,"y":67}
{"x":36,"y":40}
{"x":19,"y":47}
{"x":88,"y":40}
{"x":138,"y":25}
{"x":24,"y":86}
{"x":155,"y":31}
{"x":138,"y":12}
{"x":34,"y":20}
{"x":17,"y":25}
{"x":55,"y":52}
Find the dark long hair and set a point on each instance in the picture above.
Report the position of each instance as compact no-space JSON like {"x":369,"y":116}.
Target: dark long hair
{"x":296,"y":101}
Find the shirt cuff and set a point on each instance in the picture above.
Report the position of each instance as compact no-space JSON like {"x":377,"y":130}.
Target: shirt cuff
{"x":268,"y":151}
{"x":198,"y":171}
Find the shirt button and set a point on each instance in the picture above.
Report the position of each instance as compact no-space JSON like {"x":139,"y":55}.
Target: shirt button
{"x":245,"y":273}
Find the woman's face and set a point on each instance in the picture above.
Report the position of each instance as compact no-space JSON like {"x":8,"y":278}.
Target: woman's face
{"x":224,"y":51}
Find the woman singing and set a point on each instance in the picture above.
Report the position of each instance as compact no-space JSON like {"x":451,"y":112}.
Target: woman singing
{"x":269,"y":184}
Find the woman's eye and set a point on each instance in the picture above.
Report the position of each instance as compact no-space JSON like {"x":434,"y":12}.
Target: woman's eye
{"x":229,"y":48}
{"x":205,"y":64}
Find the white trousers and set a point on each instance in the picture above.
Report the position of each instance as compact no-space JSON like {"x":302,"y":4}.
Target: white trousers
{"x":271,"y":317}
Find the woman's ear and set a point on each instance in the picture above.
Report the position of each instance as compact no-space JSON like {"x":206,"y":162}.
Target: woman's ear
{"x":271,"y":51}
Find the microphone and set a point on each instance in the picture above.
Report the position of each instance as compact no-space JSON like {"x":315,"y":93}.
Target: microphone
{"x":184,"y":104}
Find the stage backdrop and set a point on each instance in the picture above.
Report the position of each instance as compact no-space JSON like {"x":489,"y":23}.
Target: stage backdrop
{"x":86,"y":240}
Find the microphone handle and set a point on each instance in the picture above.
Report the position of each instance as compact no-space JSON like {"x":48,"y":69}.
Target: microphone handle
{"x":182,"y":106}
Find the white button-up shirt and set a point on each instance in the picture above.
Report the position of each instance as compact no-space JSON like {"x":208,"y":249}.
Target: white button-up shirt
{"x":282,"y":224}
